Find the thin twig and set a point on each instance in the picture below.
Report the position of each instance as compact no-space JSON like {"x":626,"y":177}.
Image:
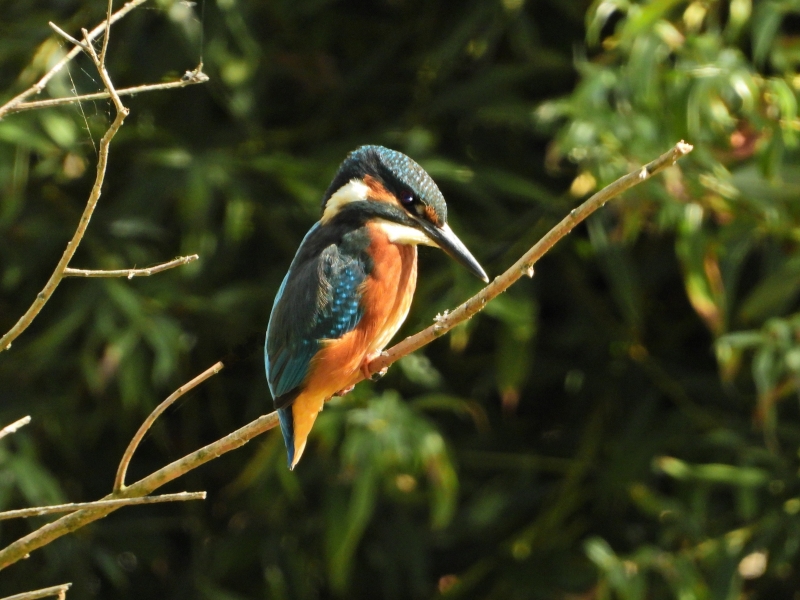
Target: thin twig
{"x":38,"y":511}
{"x":57,"y":590}
{"x":119,"y":480}
{"x":68,"y":37}
{"x":107,"y":34}
{"x":191,"y":78}
{"x":131,"y":273}
{"x":13,"y":427}
{"x":40,"y":85}
{"x":46,"y":534}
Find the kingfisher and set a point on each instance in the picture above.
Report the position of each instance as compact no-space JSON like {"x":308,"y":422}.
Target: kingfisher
{"x":349,"y":287}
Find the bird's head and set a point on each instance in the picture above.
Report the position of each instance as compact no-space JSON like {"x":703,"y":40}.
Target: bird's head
{"x":387,"y":187}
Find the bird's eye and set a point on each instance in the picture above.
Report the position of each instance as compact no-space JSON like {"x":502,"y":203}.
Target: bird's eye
{"x":406,"y":198}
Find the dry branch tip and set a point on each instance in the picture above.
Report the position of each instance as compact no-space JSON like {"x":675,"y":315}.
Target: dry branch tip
{"x":131,"y":273}
{"x":15,"y":426}
{"x":68,"y":37}
{"x":195,"y":76}
{"x":59,"y":591}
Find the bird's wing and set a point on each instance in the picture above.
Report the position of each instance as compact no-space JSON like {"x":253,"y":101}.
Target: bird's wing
{"x":319,"y":299}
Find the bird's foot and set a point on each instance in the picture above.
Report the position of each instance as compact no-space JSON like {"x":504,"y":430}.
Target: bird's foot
{"x":345,"y":391}
{"x":379,"y":374}
{"x":365,"y":368}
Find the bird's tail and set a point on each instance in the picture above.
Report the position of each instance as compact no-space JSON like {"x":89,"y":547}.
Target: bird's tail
{"x":287,"y":429}
{"x":297,"y":419}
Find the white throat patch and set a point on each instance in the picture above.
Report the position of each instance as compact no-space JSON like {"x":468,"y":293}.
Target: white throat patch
{"x":403,"y":234}
{"x":353,"y":191}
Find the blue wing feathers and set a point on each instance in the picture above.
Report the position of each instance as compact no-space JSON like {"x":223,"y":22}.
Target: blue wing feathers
{"x":319,"y":299}
{"x":341,"y":309}
{"x":287,"y":429}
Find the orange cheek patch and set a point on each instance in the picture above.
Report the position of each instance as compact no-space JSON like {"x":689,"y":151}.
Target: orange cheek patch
{"x":431,"y":215}
{"x":378,"y":192}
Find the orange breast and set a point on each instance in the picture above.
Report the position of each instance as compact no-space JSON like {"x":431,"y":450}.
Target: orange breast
{"x":388,"y":290}
{"x":386,"y":298}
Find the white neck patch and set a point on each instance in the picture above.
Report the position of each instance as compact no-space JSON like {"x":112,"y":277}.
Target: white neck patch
{"x":403,"y":234}
{"x":353,"y":191}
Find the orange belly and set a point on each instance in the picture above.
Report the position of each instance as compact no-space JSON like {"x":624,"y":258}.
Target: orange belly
{"x":386,"y":299}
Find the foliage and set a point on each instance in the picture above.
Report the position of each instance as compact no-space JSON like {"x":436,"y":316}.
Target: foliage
{"x":623,"y":425}
{"x":722,"y":75}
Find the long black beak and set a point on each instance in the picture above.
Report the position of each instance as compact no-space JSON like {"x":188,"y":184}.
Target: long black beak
{"x":448,"y":241}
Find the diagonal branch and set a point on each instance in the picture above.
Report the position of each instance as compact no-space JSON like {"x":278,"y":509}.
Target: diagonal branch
{"x":131,"y":273}
{"x":524,"y":266}
{"x":46,"y":534}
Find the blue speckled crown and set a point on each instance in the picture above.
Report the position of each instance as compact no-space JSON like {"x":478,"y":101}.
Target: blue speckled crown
{"x":394,"y":170}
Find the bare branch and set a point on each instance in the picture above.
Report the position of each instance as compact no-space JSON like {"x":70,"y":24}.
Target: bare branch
{"x":119,"y":480}
{"x":15,"y":104}
{"x":13,"y":427}
{"x":131,"y":273}
{"x":68,"y":37}
{"x":191,"y":78}
{"x":46,"y":534}
{"x":106,"y":35}
{"x":57,"y":590}
{"x":38,"y":511}
{"x":40,"y":85}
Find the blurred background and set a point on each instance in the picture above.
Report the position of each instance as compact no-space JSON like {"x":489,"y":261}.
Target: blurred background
{"x":624,"y":425}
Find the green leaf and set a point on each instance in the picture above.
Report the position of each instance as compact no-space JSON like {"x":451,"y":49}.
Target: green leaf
{"x":766,"y":21}
{"x":774,"y":294}
{"x":344,"y":536}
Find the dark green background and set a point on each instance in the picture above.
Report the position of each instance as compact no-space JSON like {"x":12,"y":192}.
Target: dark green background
{"x":623,"y":425}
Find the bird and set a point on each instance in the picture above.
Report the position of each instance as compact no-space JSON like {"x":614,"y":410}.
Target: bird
{"x":350,"y":285}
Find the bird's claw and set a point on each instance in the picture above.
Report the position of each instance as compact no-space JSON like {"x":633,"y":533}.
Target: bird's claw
{"x":378,"y":374}
{"x":365,"y":368}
